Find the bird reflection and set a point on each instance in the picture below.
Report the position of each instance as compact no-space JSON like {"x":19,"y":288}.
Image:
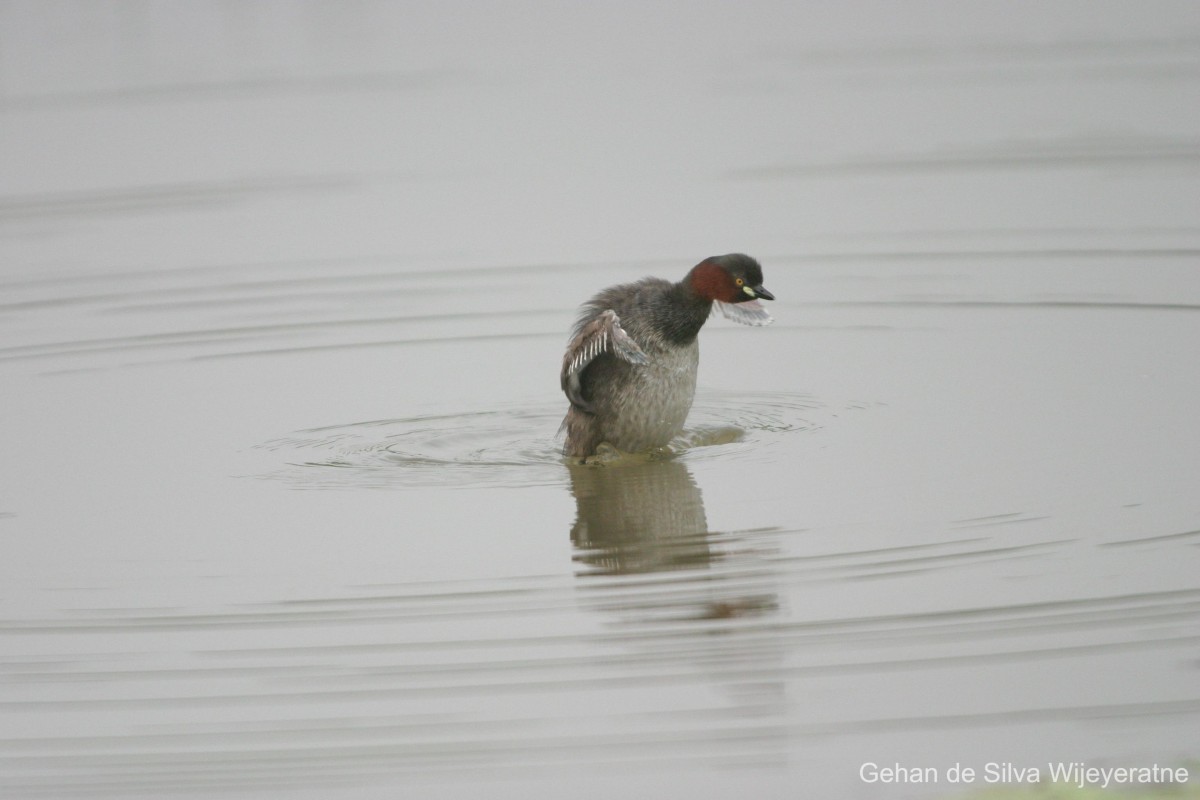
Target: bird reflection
{"x":649,"y":517}
{"x":704,"y":618}
{"x":645,"y":517}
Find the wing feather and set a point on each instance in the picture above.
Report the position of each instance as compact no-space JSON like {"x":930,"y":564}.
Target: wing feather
{"x":749,"y":313}
{"x":594,"y":337}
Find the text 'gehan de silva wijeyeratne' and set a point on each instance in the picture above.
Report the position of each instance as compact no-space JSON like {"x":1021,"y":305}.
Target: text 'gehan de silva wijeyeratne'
{"x":1076,"y":773}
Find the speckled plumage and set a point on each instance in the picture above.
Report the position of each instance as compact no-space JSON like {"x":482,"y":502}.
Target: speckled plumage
{"x":630,"y":367}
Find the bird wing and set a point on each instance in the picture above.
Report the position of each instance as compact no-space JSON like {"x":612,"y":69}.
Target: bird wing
{"x":749,"y":313}
{"x":600,"y":334}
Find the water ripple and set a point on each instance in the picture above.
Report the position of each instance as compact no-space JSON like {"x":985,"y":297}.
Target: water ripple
{"x":511,"y":447}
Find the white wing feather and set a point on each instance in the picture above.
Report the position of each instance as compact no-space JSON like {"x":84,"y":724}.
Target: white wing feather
{"x":603,"y":334}
{"x":748,"y":313}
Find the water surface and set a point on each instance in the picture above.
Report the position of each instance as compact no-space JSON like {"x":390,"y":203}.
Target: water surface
{"x":283,"y":297}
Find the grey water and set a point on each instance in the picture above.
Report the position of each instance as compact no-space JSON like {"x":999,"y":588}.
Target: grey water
{"x":283,"y":294}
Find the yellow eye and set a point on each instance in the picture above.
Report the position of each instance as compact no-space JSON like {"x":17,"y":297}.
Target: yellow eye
{"x":740,"y":281}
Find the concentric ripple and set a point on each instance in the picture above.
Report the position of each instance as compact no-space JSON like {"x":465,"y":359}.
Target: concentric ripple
{"x":508,"y":447}
{"x":755,"y":417}
{"x":512,"y":447}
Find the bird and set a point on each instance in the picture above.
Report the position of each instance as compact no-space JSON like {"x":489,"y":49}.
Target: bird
{"x":629,"y":370}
